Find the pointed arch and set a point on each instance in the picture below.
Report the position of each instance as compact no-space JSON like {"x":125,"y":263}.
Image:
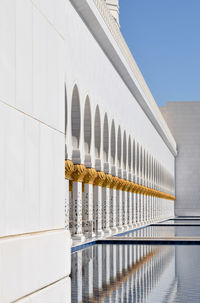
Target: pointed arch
{"x":124,"y":150}
{"x":75,"y":118}
{"x":105,"y":138}
{"x":119,"y":146}
{"x":113,"y":143}
{"x":129,"y":153}
{"x":97,"y":132}
{"x":87,"y":126}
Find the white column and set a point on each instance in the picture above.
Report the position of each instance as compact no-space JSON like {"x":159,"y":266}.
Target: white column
{"x":77,"y":211}
{"x":113,"y":209}
{"x":98,"y":203}
{"x":124,"y":203}
{"x":134,"y":197}
{"x":77,"y":177}
{"x":67,"y":204}
{"x":106,"y":204}
{"x":88,"y":211}
{"x":130,"y":203}
{"x":119,"y":210}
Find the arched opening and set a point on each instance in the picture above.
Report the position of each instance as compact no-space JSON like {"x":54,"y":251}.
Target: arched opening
{"x":124,"y":150}
{"x":87,"y":126}
{"x":119,"y":147}
{"x":75,"y":118}
{"x":138,"y":160}
{"x":134,"y":158}
{"x":129,"y":153}
{"x":97,"y":132}
{"x":105,"y":138}
{"x":113,"y":143}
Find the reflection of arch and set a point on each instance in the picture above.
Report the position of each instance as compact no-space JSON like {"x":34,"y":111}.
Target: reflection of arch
{"x":119,"y":146}
{"x":105,"y":138}
{"x":129,"y":153}
{"x":113,"y":142}
{"x":97,"y":132}
{"x":87,"y":126}
{"x":75,"y":118}
{"x":124,"y":150}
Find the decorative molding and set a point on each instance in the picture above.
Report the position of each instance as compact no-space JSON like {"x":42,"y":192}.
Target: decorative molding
{"x":69,"y":168}
{"x":78,"y":173}
{"x":90,"y":176}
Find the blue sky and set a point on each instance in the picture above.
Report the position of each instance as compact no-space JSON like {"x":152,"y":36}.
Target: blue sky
{"x":164,"y":37}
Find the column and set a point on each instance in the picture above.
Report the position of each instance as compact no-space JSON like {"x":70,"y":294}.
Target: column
{"x":124,"y":202}
{"x":113,"y":203}
{"x":77,"y":177}
{"x":130,"y":204}
{"x":98,"y":203}
{"x":106,"y":204}
{"x":119,"y":205}
{"x":69,"y":168}
{"x":134,"y":206}
{"x":88,"y":202}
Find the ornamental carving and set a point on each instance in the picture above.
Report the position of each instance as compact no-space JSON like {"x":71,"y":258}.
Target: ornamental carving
{"x":107,"y":181}
{"x":78,"y":173}
{"x":100,"y":177}
{"x":120,"y":184}
{"x":90,"y":176}
{"x":69,"y":168}
{"x":114,"y":182}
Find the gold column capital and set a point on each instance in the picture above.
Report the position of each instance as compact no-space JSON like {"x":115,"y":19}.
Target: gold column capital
{"x":114,"y":182}
{"x":107,"y":181}
{"x":69,"y":168}
{"x":120,"y":184}
{"x":100,"y":177}
{"x":90,"y":176}
{"x":79,"y":173}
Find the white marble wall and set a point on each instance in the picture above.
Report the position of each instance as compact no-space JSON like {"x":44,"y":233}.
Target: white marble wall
{"x":32,"y":254}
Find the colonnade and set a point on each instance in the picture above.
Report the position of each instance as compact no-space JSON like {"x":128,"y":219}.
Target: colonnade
{"x":119,"y":273}
{"x":99,"y":204}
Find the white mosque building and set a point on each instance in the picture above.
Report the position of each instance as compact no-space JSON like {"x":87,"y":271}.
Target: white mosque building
{"x":85,"y":151}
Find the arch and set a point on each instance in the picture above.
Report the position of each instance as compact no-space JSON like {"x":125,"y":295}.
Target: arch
{"x":124,"y":150}
{"x":75,"y":118}
{"x":134,"y":158}
{"x":113,"y":143}
{"x":97,"y":132}
{"x":138,"y":159}
{"x":105,"y":138}
{"x":119,"y":146}
{"x":129,"y":153}
{"x":87,"y":126}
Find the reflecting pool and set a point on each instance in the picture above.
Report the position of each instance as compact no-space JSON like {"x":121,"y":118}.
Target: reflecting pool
{"x":165,"y":232}
{"x":139,"y":273}
{"x":136,"y":273}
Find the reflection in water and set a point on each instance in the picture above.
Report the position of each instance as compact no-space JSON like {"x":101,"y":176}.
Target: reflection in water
{"x":122,"y":273}
{"x":165,"y":231}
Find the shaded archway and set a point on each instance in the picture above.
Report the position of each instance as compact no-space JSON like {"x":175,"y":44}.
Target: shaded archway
{"x":97,"y":132}
{"x":119,"y":147}
{"x":129,"y":153}
{"x":87,"y":126}
{"x":75,"y":118}
{"x":105,"y":138}
{"x":113,"y":143}
{"x":124,"y":150}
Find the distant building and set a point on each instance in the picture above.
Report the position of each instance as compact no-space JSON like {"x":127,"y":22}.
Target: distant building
{"x":183,"y":119}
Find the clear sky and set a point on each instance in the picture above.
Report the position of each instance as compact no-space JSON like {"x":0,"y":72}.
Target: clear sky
{"x":164,"y":37}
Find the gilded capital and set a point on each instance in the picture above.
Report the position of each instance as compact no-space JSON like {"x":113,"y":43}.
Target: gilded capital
{"x":90,"y":176}
{"x":69,"y":168}
{"x":100,"y":177}
{"x":114,"y":182}
{"x":79,"y":173}
{"x":120,"y":184}
{"x":107,"y":181}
